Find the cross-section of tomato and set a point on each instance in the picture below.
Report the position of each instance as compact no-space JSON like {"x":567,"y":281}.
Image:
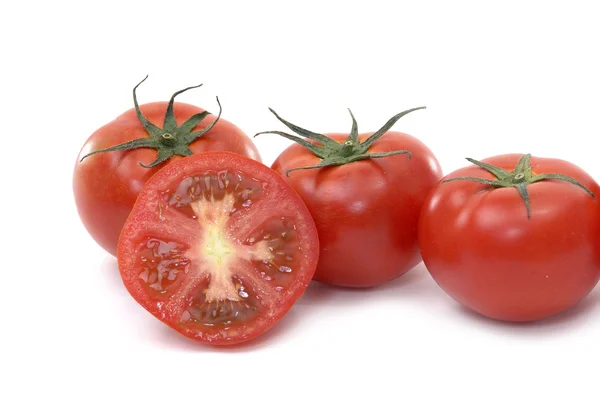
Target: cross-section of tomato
{"x":218,"y":247}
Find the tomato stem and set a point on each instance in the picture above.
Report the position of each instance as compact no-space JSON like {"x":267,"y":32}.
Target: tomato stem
{"x":168,"y":139}
{"x":347,"y":149}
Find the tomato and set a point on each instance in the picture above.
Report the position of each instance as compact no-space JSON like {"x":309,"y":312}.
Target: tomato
{"x":107,"y":184}
{"x":218,"y":247}
{"x":365,"y":193}
{"x":515,"y":238}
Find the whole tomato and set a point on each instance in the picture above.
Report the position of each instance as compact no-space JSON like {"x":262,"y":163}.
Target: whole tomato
{"x":116,"y":160}
{"x":514,"y":237}
{"x":365,"y":193}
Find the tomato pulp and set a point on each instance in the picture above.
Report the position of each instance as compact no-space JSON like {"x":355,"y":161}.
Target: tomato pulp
{"x":107,"y":184}
{"x":218,"y":247}
{"x":520,"y":252}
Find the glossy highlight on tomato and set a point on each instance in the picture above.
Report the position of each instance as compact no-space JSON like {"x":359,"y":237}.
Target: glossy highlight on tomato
{"x":218,"y":247}
{"x":514,"y":238}
{"x":107,"y":184}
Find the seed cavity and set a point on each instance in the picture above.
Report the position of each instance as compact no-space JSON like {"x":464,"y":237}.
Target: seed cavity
{"x":220,"y":311}
{"x":162,"y":262}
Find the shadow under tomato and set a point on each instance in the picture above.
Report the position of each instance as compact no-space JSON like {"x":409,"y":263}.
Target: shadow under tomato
{"x":415,"y":284}
{"x":416,"y":281}
{"x":111,"y":268}
{"x":563,"y":322}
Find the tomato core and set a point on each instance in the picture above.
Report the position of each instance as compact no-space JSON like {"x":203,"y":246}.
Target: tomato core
{"x":215,"y":251}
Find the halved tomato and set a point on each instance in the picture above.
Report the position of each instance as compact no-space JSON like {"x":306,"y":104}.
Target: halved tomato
{"x":218,"y":247}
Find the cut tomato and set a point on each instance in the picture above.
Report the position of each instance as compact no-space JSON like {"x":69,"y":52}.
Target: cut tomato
{"x":218,"y":247}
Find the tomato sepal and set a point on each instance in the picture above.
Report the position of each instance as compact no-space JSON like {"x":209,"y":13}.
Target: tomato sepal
{"x":334,"y":153}
{"x":169,"y":141}
{"x":519,"y":178}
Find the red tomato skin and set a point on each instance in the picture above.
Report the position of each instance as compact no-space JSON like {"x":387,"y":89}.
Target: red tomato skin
{"x":106,"y":185}
{"x":366,"y":212}
{"x":481,"y":249}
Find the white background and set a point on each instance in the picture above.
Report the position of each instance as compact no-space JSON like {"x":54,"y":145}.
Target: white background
{"x":510,"y":77}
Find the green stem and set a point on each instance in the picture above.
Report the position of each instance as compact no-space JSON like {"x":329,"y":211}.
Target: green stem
{"x":168,"y":139}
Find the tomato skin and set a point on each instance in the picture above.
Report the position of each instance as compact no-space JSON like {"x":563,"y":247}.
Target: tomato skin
{"x":481,"y":248}
{"x":106,"y":185}
{"x":366,"y":212}
{"x":146,"y":212}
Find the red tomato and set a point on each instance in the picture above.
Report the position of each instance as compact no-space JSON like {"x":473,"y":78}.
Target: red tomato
{"x":366,"y":209}
{"x":107,"y":184}
{"x":218,"y":247}
{"x":514,"y":243}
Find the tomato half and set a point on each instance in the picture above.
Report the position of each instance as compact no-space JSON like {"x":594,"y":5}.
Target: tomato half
{"x":107,"y":184}
{"x":515,"y":240}
{"x":365,"y":202}
{"x":218,"y":247}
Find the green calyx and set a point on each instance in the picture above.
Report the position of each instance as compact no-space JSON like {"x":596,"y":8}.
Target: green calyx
{"x":520,"y":178}
{"x":169,"y":141}
{"x":334,"y":153}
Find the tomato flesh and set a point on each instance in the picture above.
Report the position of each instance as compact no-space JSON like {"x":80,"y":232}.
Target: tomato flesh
{"x":218,"y":247}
